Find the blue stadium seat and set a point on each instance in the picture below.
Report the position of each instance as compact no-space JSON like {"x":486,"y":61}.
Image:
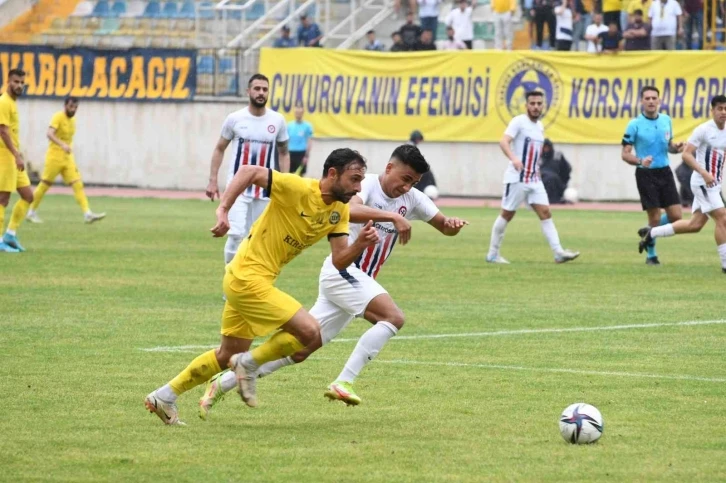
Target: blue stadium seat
{"x":171,"y":10}
{"x":187,"y":10}
{"x":226,"y":65}
{"x":101,"y":9}
{"x":206,"y":13}
{"x":119,"y":8}
{"x":153,"y":10}
{"x":205,"y":65}
{"x":233,"y":87}
{"x":257,"y":11}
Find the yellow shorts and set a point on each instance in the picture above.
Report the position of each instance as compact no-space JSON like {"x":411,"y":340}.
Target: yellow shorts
{"x":66,"y":168}
{"x":11,"y":178}
{"x":254,"y":308}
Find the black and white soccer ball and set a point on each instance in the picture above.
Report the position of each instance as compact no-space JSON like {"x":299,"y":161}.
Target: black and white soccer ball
{"x":581,"y":423}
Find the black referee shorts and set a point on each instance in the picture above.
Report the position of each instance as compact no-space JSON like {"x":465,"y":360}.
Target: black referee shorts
{"x":657,"y":187}
{"x":296,"y":159}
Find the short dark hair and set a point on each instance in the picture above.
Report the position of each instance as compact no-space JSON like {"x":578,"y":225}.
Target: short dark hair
{"x":341,"y":159}
{"x":409,"y":155}
{"x":637,"y":11}
{"x":70,"y":99}
{"x":17,"y":72}
{"x":720,"y":99}
{"x":396,"y":33}
{"x":529,"y":94}
{"x":257,"y":76}
{"x":649,"y":88}
{"x":371,"y":31}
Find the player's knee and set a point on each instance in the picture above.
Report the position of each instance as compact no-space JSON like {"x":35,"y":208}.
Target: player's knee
{"x":27,"y":196}
{"x":309,"y":333}
{"x":508,"y":215}
{"x":300,"y":356}
{"x":397,"y":318}
{"x":46,"y":182}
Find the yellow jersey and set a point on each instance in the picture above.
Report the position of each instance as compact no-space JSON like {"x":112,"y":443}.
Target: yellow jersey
{"x":504,"y":6}
{"x":296,"y":218}
{"x":611,"y":5}
{"x":65,"y":129}
{"x":643,"y":5}
{"x":9,"y":117}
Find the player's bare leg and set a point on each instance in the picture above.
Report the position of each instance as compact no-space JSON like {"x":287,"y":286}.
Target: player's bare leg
{"x":19,"y":210}
{"x":553,"y":238}
{"x":38,"y":195}
{"x":4,"y":200}
{"x":500,"y":226}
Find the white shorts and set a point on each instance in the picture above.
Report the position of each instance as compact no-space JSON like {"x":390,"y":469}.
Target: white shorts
{"x":706,"y":199}
{"x":516,"y":193}
{"x":243,"y":214}
{"x":343,"y":295}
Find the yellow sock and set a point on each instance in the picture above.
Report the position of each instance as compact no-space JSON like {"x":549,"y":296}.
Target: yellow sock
{"x":280,"y":345}
{"x":2,"y":217}
{"x":202,"y":369}
{"x":38,"y":194}
{"x":19,"y":211}
{"x":80,"y":196}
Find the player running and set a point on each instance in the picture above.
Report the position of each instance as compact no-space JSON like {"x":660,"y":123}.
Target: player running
{"x":300,"y":213}
{"x":704,"y":154}
{"x":390,"y":201}
{"x":258,"y":132}
{"x":522,"y":180}
{"x":59,"y":159}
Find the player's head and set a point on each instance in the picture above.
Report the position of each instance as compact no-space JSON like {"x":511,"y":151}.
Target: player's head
{"x":299,"y":111}
{"x":718,"y":108}
{"x":343,"y":172}
{"x":258,"y":89}
{"x":535,"y":104}
{"x":71,"y":106}
{"x":650,"y":100}
{"x":404,"y":170}
{"x":16,"y":82}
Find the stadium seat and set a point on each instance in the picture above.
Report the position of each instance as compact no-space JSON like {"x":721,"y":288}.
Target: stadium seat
{"x":83,"y":9}
{"x":108,"y":26}
{"x":233,"y":85}
{"x":187,"y":10}
{"x":441,"y":30}
{"x":205,"y":65}
{"x":102,"y":9}
{"x":207,"y":12}
{"x":153,"y":10}
{"x":257,"y":11}
{"x":135,"y":8}
{"x":226,"y":65}
{"x":483,"y":31}
{"x":170,"y":10}
{"x":118,"y":8}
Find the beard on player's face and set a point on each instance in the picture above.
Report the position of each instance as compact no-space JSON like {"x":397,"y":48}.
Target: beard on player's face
{"x":259,"y":101}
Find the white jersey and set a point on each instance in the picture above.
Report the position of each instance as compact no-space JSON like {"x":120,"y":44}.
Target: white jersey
{"x":527,"y":141}
{"x":256,"y":142}
{"x":710,"y":142}
{"x":413,"y":205}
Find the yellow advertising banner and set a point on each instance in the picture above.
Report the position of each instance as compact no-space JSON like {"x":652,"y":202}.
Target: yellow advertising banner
{"x":472,"y":95}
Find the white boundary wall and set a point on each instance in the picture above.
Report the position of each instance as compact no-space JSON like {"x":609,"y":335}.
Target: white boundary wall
{"x":168,"y":146}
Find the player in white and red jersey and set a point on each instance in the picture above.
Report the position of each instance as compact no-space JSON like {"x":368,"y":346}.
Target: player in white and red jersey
{"x":257,"y":132}
{"x":390,"y":201}
{"x":705,"y":153}
{"x":522,"y":181}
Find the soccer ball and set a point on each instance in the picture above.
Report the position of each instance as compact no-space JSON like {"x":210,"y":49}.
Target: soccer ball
{"x":570,"y":195}
{"x":431,"y":191}
{"x":581,"y":423}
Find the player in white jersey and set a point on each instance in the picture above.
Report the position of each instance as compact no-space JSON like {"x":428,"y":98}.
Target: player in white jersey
{"x":258,"y":132}
{"x":390,"y":201}
{"x":704,"y":153}
{"x":522,"y":181}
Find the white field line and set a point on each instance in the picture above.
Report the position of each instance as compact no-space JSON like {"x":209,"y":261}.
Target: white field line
{"x":189,"y":348}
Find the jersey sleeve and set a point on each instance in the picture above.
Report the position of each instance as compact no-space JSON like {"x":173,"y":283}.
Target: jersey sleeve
{"x":513,"y":128}
{"x":342,"y":227}
{"x":4,"y":114}
{"x":282,"y":134}
{"x":228,"y":128}
{"x":310,"y":130}
{"x":286,"y":188}
{"x":696,"y":137}
{"x":631,"y":132}
{"x":55,"y":121}
{"x":425,"y":209}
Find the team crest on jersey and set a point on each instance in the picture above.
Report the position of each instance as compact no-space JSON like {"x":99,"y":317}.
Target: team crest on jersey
{"x":271,"y":129}
{"x":334,"y":218}
{"x":524,"y":76}
{"x":402,"y":211}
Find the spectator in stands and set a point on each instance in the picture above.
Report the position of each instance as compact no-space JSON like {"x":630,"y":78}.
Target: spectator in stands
{"x":373,"y":43}
{"x":426,"y":42}
{"x":410,"y":32}
{"x":308,"y":34}
{"x":428,"y":14}
{"x":555,"y":172}
{"x":502,"y":11}
{"x":563,"y":14}
{"x":592,"y":34}
{"x":583,"y":17}
{"x":611,"y":42}
{"x":637,"y":33}
{"x":528,"y":17}
{"x":611,"y":12}
{"x":285,"y":41}
{"x":451,"y":43}
{"x":642,"y":5}
{"x":694,"y":21}
{"x":398,"y":45}
{"x":397,"y":7}
{"x":666,"y":20}
{"x":460,"y":19}
{"x":544,"y":13}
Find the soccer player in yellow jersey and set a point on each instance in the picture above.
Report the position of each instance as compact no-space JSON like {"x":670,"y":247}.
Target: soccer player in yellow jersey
{"x":12,"y":166}
{"x":300,"y":213}
{"x":59,"y":159}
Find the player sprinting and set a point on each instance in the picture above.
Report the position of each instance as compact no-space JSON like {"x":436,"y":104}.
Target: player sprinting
{"x":13,"y":176}
{"x":391,"y":202}
{"x":651,"y":135}
{"x":704,"y":153}
{"x":257,"y":133}
{"x":522,"y":181}
{"x":59,"y":160}
{"x":300,"y":213}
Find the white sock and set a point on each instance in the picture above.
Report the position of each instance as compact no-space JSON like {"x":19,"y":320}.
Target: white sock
{"x":166,"y":394}
{"x":249,"y":362}
{"x":660,"y":231}
{"x":550,"y":232}
{"x":228,"y":381}
{"x":31,"y":212}
{"x":270,"y":367}
{"x":88,"y":213}
{"x":722,"y":254}
{"x":10,"y":232}
{"x":368,"y":347}
{"x":500,"y":226}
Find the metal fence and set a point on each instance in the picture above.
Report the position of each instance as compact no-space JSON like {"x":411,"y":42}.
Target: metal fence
{"x":218,"y":72}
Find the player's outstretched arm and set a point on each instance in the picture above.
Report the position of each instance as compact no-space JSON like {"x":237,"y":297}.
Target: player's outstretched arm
{"x":343,"y":254}
{"x":448,"y":226}
{"x":245,"y":177}
{"x":360,"y":213}
{"x":217,"y":158}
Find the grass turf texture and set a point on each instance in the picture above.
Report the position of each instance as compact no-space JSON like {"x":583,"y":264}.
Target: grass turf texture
{"x":77,"y":308}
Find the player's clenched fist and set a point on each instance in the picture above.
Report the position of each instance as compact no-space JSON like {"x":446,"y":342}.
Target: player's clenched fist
{"x":222,"y":226}
{"x":368,"y":235}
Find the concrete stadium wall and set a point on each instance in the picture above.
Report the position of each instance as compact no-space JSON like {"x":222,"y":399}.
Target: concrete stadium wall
{"x":168,"y":146}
